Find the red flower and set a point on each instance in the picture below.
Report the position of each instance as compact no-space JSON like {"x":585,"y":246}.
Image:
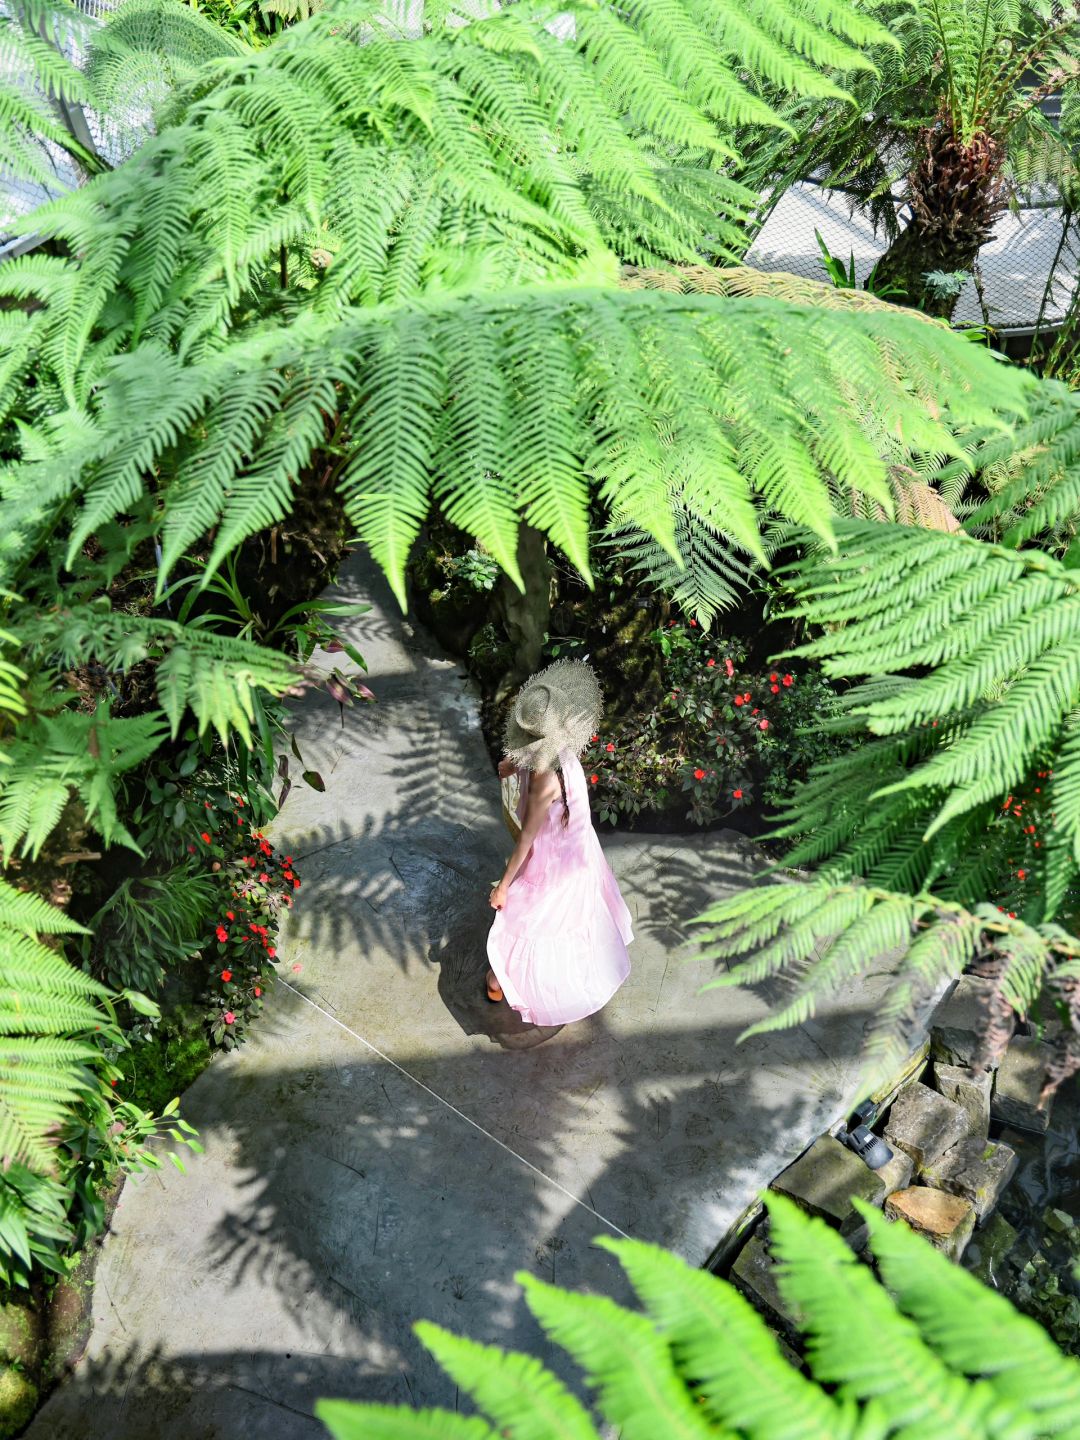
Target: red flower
{"x":775,"y":689}
{"x":729,"y":667}
{"x":239,"y":801}
{"x":763,"y":724}
{"x":1021,"y":874}
{"x":296,"y":884}
{"x":222,"y":933}
{"x":737,"y":794}
{"x":229,"y":1017}
{"x":693,"y":624}
{"x":746,"y":696}
{"x":288,"y":860}
{"x":593,"y":779}
{"x":594,"y":739}
{"x":191,"y":849}
{"x":774,"y":677}
{"x":789,"y":680}
{"x":253,"y":926}
{"x":699,"y":774}
{"x":112,"y":1082}
{"x":671,"y":624}
{"x":226,"y":975}
{"x":207,"y":804}
{"x":205,"y":836}
{"x":709,"y":664}
{"x":738,"y":700}
{"x":229,"y":915}
{"x":754,"y":711}
{"x":264,"y":877}
{"x":257,"y":990}
{"x":271,"y":952}
{"x":610,"y":748}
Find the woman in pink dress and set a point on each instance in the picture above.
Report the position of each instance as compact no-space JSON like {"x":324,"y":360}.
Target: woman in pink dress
{"x":557,"y":947}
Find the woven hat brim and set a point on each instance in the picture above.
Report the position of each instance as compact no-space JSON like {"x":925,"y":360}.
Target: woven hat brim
{"x":578,"y":704}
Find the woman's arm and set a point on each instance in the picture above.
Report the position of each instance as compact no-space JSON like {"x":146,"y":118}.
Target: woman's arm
{"x":542,"y":791}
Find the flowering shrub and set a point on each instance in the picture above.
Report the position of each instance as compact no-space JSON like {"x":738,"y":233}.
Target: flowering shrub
{"x":721,"y":736}
{"x":255,"y":886}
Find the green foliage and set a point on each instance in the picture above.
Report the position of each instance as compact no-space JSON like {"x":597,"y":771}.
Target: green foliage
{"x":62,"y":1132}
{"x":971,"y":654}
{"x":146,"y":926}
{"x":930,"y":1353}
{"x":237,"y":382}
{"x":823,"y":935}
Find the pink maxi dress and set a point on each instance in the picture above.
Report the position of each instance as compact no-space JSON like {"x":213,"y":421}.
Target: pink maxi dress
{"x":558,"y":946}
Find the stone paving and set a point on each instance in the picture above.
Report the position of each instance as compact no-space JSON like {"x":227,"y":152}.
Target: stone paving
{"x":391,"y":1147}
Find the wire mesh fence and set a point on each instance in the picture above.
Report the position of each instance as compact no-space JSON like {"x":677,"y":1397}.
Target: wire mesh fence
{"x":1026,"y":272}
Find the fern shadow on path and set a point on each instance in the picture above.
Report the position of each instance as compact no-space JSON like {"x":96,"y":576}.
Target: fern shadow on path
{"x":389,"y":1146}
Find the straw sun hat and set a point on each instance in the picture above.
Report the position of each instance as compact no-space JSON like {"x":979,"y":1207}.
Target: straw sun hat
{"x":556,"y":709}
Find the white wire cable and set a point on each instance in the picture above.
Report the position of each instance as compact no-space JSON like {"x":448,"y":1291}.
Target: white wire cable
{"x":460,"y":1114}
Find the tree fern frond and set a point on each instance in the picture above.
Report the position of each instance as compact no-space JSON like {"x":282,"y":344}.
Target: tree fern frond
{"x":726,"y":1352}
{"x":859,"y":1342}
{"x":624,"y":1358}
{"x":974,"y":1330}
{"x":515,"y":1391}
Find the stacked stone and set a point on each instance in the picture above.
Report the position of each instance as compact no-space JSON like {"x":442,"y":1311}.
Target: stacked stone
{"x":946,"y":1175}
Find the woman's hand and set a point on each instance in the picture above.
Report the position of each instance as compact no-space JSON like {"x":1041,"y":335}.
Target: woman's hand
{"x":497,"y":899}
{"x":506,"y":769}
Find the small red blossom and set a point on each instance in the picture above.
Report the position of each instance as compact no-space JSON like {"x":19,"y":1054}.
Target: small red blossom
{"x":737,"y":794}
{"x":229,"y":915}
{"x":763,"y":724}
{"x":191,"y":849}
{"x":789,"y":680}
{"x":229,"y":1017}
{"x":222,"y":933}
{"x":699,"y":774}
{"x":739,"y":700}
{"x":754,"y":711}
{"x":271,"y":952}
{"x":775,"y":689}
{"x":296,"y":884}
{"x":205,"y":836}
{"x":257,"y":990}
{"x":774,"y":677}
{"x":709,"y":664}
{"x":112,"y":1082}
{"x":264,"y":877}
{"x":729,"y":667}
{"x":594,"y":739}
{"x":693,"y":624}
{"x":226,"y":975}
{"x":593,"y":779}
{"x":1021,"y":874}
{"x":610,"y":748}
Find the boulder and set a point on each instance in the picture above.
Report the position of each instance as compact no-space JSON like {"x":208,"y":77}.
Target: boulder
{"x":945,"y":1220}
{"x":977,"y":1169}
{"x":970,"y":1090}
{"x":924,"y":1124}
{"x":897,"y":1174}
{"x":1019,"y":1081}
{"x":959,"y":1020}
{"x":824,"y":1182}
{"x":754,"y":1273}
{"x":990,"y":1250}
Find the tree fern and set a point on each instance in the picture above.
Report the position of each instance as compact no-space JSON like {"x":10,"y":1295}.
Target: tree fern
{"x":899,"y":1359}
{"x":47,"y":1008}
{"x":823,"y":935}
{"x":994,"y":635}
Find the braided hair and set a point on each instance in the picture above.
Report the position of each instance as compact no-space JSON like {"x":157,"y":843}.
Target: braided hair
{"x":565,"y":805}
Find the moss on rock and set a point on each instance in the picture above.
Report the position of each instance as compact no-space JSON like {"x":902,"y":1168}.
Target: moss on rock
{"x":18,"y":1400}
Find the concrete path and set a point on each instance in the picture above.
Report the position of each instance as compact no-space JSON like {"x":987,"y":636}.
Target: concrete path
{"x":392,"y":1147}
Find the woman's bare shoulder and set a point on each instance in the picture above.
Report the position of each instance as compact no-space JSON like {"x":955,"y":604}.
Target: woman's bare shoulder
{"x":544,"y":784}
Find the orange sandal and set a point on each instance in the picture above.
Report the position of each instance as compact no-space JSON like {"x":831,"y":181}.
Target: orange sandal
{"x":494,"y":993}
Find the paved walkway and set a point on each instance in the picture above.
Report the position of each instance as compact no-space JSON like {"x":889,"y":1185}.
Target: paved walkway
{"x":392,"y":1147}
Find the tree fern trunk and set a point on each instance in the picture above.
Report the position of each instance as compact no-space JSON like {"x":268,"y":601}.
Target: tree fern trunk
{"x":956,"y":193}
{"x":525,"y":616}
